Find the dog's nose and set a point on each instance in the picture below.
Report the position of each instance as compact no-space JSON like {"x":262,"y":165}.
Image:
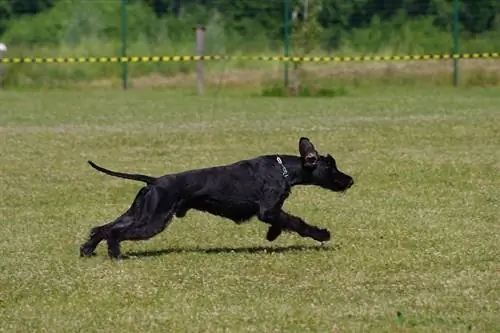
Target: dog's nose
{"x":351,"y":182}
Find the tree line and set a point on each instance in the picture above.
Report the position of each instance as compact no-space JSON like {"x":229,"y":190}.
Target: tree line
{"x":335,"y":17}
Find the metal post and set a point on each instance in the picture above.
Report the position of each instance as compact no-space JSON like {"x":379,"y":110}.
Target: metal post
{"x":456,"y":41}
{"x":200,"y":51}
{"x":123,"y":15}
{"x":286,"y":37}
{"x":3,"y":49}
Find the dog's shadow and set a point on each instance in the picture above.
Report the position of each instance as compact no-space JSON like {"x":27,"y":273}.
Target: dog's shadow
{"x":244,"y":250}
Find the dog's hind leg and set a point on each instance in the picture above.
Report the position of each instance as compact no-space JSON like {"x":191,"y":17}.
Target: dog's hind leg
{"x":99,"y":233}
{"x":157,"y":211}
{"x":87,"y":249}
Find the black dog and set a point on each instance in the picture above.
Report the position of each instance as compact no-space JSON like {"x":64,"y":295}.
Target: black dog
{"x":239,"y":191}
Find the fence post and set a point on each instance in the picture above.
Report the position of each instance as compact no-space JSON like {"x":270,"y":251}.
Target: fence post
{"x":456,"y":41}
{"x":3,"y":48}
{"x":200,"y":51}
{"x":286,"y":38}
{"x":123,"y":29}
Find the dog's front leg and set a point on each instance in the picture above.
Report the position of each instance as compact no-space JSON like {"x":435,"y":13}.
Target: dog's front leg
{"x":295,"y":223}
{"x":281,"y":220}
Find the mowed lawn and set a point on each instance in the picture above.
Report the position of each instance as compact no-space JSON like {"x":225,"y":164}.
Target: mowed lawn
{"x":415,"y":246}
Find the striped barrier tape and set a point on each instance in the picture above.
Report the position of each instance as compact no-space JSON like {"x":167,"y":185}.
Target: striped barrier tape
{"x":176,"y":58}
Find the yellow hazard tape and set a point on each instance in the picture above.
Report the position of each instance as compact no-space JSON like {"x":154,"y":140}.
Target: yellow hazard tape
{"x":178,"y":58}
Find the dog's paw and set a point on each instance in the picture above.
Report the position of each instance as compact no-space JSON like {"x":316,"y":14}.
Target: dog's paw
{"x":322,"y":235}
{"x":86,"y":252}
{"x":273,"y":233}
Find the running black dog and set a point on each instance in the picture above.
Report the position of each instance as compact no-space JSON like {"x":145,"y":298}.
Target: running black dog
{"x":239,"y":191}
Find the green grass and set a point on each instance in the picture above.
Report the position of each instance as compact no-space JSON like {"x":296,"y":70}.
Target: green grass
{"x":415,"y":243}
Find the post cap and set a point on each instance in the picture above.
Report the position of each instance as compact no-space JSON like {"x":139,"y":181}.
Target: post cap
{"x":199,"y":27}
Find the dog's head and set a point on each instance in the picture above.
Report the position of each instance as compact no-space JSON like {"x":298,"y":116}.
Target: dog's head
{"x":321,"y":170}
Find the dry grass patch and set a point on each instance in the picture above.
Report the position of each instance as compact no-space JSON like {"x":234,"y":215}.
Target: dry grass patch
{"x":477,"y":72}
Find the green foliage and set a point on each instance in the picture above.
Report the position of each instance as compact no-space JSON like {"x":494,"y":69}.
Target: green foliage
{"x":70,"y":21}
{"x":306,"y":29}
{"x":79,"y":28}
{"x":5,"y":14}
{"x":276,"y":89}
{"x":337,"y":18}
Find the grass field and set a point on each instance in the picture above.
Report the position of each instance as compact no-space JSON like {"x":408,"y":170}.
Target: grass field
{"x":416,"y":242}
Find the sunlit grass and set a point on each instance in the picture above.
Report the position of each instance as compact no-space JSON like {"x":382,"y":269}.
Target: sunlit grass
{"x":417,"y":235}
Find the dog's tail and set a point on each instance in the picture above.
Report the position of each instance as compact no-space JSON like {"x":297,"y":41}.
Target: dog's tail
{"x":137,"y":177}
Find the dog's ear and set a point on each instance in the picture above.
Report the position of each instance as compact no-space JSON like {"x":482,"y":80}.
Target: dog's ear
{"x":308,"y":153}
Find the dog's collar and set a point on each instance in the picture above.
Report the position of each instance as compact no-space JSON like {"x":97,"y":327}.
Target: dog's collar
{"x":284,"y":171}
